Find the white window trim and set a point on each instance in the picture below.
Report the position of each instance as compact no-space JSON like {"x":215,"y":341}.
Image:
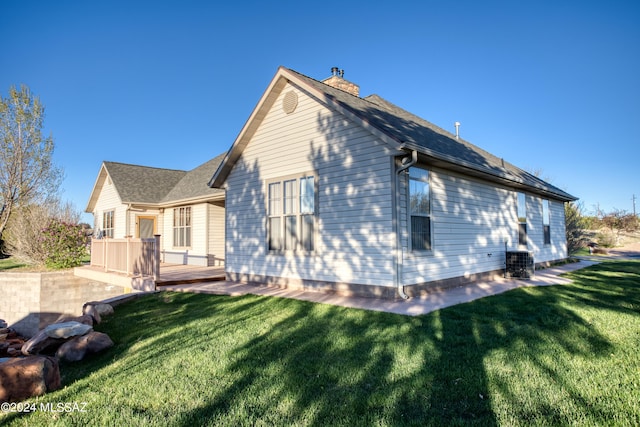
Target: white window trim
{"x":546,"y":218}
{"x":299,"y":249}
{"x":410,"y":214}
{"x":105,"y":229}
{"x":519,"y":222}
{"x":182,"y":227}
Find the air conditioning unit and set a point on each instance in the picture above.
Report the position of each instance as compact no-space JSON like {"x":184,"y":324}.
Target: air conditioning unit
{"x":519,"y":264}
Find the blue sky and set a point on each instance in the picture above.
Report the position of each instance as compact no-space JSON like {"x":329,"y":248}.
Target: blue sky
{"x":552,"y":86}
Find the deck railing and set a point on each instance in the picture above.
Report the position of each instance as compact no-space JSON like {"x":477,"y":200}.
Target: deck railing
{"x":128,"y":256}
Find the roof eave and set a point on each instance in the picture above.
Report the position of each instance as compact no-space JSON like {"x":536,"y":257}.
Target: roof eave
{"x":257,"y":115}
{"x":504,"y":177}
{"x":279,"y":81}
{"x":103,"y":174}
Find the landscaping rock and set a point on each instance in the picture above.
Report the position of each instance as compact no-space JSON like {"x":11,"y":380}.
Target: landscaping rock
{"x":22,"y":378}
{"x":77,"y":348}
{"x":85,"y":319}
{"x":102,"y":308}
{"x":14,"y":352}
{"x":66,"y":329}
{"x":41,"y":343}
{"x":92,"y":311}
{"x":3,"y":324}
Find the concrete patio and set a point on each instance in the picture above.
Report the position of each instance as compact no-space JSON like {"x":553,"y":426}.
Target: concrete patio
{"x":412,"y":307}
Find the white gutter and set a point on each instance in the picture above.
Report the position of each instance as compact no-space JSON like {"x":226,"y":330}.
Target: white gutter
{"x":398,"y":256}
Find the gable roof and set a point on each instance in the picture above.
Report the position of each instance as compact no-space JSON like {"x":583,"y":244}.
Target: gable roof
{"x":144,"y":185}
{"x":399,"y":128}
{"x":194,"y":183}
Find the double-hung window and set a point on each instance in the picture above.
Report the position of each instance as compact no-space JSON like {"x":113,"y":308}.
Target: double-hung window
{"x":182,"y":227}
{"x":107,"y":224}
{"x":546,"y":222}
{"x":291,"y":213}
{"x":420,"y":209}
{"x":522,"y":219}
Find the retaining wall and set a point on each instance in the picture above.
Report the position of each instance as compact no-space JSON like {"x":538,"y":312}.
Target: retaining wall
{"x":30,"y":301}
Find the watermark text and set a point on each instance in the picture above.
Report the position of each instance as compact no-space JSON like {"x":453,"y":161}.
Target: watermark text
{"x":26,"y":407}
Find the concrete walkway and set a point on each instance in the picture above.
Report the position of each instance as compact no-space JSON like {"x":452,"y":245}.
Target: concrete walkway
{"x":412,"y":307}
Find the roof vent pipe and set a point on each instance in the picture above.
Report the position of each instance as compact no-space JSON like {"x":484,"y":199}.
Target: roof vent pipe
{"x":457,"y":125}
{"x":335,"y":71}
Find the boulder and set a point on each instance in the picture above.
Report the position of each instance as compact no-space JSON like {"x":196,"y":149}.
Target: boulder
{"x":67,"y":329}
{"x":13,"y":352}
{"x":92,"y":311}
{"x":78,"y":347}
{"x":22,"y":378}
{"x":53,"y":336}
{"x":85,"y":319}
{"x":41,"y":343}
{"x":102,"y":308}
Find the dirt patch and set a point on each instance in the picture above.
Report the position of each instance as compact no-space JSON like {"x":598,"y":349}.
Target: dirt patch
{"x":631,"y":250}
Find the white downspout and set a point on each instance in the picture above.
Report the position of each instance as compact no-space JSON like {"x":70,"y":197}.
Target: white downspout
{"x":398,"y":250}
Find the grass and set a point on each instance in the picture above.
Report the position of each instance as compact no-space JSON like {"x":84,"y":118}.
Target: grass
{"x":10,"y":264}
{"x":560,"y":355}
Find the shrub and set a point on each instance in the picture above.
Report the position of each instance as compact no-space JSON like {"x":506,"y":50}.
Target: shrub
{"x":575,"y":225}
{"x":606,"y":240}
{"x":26,"y":240}
{"x":64,"y":244}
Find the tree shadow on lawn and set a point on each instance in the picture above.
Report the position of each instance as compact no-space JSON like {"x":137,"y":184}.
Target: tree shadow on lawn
{"x":342,"y":367}
{"x":277,"y":361}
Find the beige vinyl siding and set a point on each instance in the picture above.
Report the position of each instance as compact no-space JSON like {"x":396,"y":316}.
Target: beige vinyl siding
{"x":199,"y":225}
{"x":108,"y":200}
{"x":470,"y":222}
{"x":196,"y":254}
{"x":216,"y":234}
{"x":354,"y":235}
{"x":558,"y":247}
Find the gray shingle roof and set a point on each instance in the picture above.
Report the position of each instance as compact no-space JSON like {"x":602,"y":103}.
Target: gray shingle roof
{"x":143,"y":184}
{"x":194,"y":183}
{"x":416,"y":133}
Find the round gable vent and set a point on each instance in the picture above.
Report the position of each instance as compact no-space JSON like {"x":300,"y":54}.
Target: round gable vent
{"x":289,"y":102}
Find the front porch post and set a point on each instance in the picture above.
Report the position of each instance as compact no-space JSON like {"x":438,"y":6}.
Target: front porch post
{"x":156,"y":257}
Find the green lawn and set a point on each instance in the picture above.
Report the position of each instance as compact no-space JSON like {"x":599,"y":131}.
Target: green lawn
{"x":7,"y":264}
{"x":561,"y":355}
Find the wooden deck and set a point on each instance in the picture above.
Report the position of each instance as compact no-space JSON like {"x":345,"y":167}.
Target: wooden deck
{"x":173,"y":274}
{"x":170,"y":274}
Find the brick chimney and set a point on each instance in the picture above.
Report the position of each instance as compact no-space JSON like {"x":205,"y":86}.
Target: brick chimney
{"x":337,"y":81}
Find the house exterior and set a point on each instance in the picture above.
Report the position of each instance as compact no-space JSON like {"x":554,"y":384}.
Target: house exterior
{"x":141,"y":201}
{"x":327,"y":190}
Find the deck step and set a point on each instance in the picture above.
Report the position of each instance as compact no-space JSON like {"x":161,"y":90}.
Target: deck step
{"x":186,"y":281}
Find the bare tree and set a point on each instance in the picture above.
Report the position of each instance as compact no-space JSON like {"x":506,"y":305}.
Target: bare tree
{"x":27,"y":172}
{"x":619,"y":221}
